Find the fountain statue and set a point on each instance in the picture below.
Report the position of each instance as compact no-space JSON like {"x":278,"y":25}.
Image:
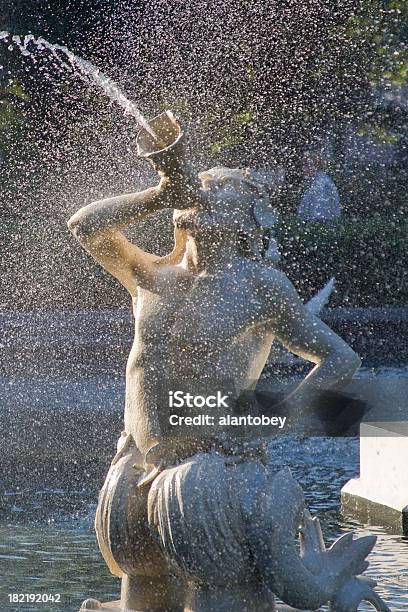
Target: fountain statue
{"x":189,"y":517}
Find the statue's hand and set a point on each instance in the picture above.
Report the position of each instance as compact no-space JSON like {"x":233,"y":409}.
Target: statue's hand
{"x":339,"y":564}
{"x":183,"y":190}
{"x":354,"y":592}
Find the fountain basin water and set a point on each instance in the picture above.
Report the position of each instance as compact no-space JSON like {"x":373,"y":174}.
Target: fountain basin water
{"x":41,"y":553}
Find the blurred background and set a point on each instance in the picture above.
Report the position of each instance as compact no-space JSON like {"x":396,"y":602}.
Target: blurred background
{"x":260,"y":84}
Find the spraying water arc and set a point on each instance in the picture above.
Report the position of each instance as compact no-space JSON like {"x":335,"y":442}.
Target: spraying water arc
{"x":87,"y":71}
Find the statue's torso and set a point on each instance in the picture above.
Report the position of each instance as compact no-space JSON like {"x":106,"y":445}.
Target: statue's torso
{"x":196,"y":328}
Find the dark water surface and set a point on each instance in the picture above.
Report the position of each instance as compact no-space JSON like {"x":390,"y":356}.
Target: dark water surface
{"x":60,"y":555}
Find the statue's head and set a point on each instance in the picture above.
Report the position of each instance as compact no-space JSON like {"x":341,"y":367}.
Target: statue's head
{"x":235,"y":202}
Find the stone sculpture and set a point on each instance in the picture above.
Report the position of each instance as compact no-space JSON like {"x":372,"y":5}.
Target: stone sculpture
{"x":189,"y":517}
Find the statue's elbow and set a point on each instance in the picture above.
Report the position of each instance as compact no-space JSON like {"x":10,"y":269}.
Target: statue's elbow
{"x":72,"y":223}
{"x":353,"y":360}
{"x":75,"y":220}
{"x":78,"y":225}
{"x":348,"y":362}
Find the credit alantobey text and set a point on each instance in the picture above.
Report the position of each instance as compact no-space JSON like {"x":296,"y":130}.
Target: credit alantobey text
{"x":180,"y":399}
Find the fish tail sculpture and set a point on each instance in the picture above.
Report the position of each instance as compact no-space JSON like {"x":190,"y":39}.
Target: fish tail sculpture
{"x":221,"y":522}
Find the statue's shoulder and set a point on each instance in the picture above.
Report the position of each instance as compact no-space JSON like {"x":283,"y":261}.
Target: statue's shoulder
{"x":271,"y":279}
{"x":276,"y":292}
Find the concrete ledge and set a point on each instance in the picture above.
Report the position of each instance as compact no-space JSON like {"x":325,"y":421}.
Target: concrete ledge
{"x":371,"y":512}
{"x":380,"y":495}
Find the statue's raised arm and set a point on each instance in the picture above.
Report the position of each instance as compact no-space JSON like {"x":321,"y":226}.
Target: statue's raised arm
{"x":98,"y":225}
{"x":306,"y":335}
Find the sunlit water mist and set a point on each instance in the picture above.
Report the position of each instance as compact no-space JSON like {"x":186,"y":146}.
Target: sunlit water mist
{"x":47,"y":556}
{"x":85,"y":69}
